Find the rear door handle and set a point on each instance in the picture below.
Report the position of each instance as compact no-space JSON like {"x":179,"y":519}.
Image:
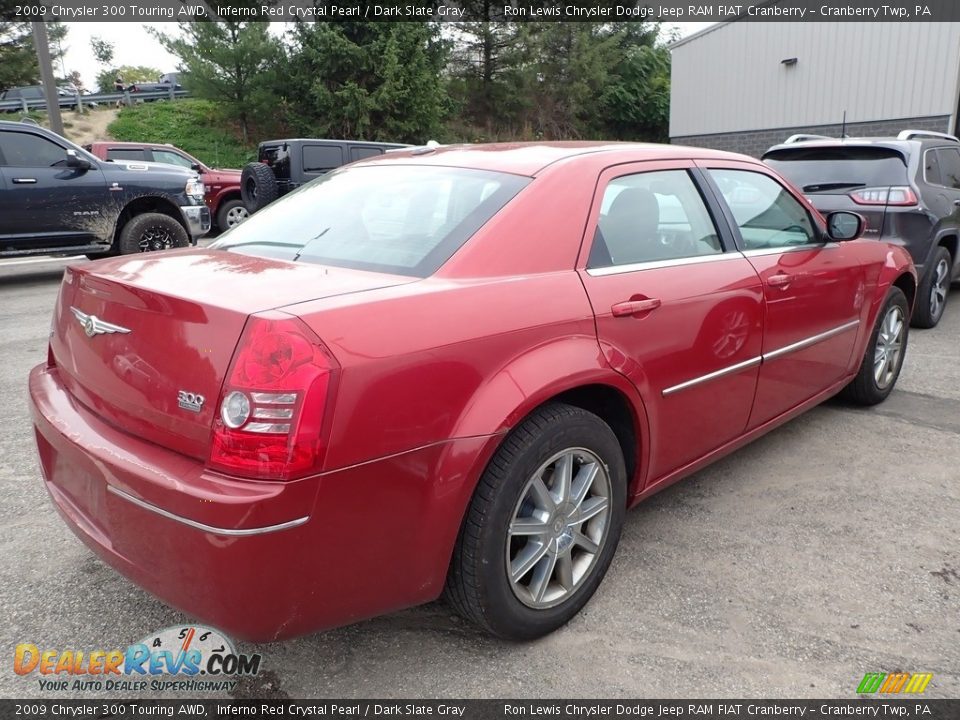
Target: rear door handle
{"x":633,"y":307}
{"x":780,"y":281}
{"x":24,"y":181}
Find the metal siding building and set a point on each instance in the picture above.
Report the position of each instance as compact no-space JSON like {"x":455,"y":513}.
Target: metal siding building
{"x":730,"y":87}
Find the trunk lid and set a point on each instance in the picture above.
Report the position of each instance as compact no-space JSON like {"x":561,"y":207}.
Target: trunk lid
{"x":173,"y":322}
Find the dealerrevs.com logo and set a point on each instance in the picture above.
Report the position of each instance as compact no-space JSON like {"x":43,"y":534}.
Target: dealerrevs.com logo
{"x":205,"y":657}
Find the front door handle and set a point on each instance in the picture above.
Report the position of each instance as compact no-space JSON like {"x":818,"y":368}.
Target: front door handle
{"x":24,"y":181}
{"x":633,"y":307}
{"x":780,"y":281}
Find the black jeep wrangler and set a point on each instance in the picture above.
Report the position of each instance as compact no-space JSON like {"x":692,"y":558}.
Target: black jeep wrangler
{"x":56,"y":198}
{"x":284,"y":165}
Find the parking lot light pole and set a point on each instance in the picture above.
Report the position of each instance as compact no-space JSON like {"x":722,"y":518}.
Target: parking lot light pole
{"x":42,"y":43}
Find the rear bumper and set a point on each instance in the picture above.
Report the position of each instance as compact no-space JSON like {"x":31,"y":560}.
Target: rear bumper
{"x":198,"y":219}
{"x":261,"y":560}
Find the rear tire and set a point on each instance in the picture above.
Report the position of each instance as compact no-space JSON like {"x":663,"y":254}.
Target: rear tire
{"x":884,"y":355}
{"x":534,"y":547}
{"x":231,"y":212}
{"x":932,"y":293}
{"x":258,"y":186}
{"x":152,"y":231}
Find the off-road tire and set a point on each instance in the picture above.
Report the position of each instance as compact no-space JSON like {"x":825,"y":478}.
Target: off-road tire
{"x":258,"y":186}
{"x":144,"y":228}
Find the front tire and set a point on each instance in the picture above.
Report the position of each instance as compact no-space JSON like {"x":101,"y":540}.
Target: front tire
{"x":884,"y":355}
{"x":231,"y":212}
{"x":152,"y":231}
{"x":543,"y":525}
{"x":932,"y":293}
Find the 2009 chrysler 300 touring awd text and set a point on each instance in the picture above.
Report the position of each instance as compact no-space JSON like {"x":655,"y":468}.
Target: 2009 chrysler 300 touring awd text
{"x":447,"y":369}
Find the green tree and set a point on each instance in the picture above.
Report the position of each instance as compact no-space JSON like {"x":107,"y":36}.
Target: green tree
{"x":376,"y":81}
{"x":102,"y":50}
{"x":229,"y":62}
{"x":636,"y":104}
{"x":18,"y":58}
{"x":490,"y":71}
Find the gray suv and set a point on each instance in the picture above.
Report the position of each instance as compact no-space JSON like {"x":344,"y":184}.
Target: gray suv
{"x":907,"y":189}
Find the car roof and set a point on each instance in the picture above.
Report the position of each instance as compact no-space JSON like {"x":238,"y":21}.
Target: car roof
{"x":114,"y":143}
{"x":335,"y":141}
{"x":529,"y":158}
{"x":890,"y":143}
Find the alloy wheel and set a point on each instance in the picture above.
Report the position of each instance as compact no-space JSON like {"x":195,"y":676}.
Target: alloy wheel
{"x":889,"y":347}
{"x":558,"y":528}
{"x":236,"y":215}
{"x":938,"y":288}
{"x":156,"y":237}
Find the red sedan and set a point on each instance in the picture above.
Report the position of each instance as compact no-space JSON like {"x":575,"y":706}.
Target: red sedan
{"x":447,"y":370}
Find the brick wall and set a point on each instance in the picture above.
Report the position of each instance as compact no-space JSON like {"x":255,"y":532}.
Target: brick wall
{"x":756,"y":142}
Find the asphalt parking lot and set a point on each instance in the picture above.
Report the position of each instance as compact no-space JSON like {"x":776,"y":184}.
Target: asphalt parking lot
{"x":825,"y":550}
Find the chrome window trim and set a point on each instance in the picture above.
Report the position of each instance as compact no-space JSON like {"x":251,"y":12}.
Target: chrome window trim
{"x":654,"y":264}
{"x":813,"y":340}
{"x":773,"y":355}
{"x":759,"y":252}
{"x":201,"y":526}
{"x":714,"y":375}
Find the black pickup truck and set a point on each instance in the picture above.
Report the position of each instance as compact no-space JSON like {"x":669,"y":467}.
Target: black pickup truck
{"x":56,"y":198}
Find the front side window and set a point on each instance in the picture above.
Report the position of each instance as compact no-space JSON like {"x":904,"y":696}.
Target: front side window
{"x":650,"y":217}
{"x":767,"y":214}
{"x":171,"y":158}
{"x":30,"y":151}
{"x":399,"y":219}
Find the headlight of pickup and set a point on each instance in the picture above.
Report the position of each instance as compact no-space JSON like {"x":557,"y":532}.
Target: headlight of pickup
{"x":194,"y":190}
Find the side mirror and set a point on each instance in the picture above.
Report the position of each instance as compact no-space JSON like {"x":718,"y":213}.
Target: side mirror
{"x":75,"y":161}
{"x":844,"y":226}
{"x":196,"y":167}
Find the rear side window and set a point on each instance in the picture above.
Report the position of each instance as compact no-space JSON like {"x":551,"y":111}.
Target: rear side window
{"x":403,"y":220}
{"x":321,"y":158}
{"x":839,"y":169}
{"x":126,"y":154}
{"x":361,"y":153}
{"x":652,"y":216}
{"x":949,"y":159}
{"x":931,"y":168}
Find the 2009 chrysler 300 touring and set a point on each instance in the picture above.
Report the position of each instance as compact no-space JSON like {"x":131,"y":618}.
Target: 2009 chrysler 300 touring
{"x":447,"y":369}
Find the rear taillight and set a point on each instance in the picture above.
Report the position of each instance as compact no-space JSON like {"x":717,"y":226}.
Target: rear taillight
{"x":884,"y":196}
{"x":272,"y":418}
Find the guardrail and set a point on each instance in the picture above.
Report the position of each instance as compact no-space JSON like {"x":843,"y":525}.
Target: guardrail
{"x":78,"y":101}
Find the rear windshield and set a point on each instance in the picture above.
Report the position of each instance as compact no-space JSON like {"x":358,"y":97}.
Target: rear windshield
{"x":398,"y":219}
{"x":839,"y":169}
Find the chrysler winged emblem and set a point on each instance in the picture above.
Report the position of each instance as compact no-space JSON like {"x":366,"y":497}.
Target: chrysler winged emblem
{"x":92,"y":325}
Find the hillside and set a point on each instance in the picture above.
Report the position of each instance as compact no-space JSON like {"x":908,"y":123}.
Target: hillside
{"x":196,"y":126}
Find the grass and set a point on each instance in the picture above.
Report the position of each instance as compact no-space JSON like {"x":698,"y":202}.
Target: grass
{"x":196,"y":126}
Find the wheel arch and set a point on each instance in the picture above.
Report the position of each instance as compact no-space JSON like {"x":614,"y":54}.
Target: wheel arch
{"x":147,"y":204}
{"x":950,"y":242}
